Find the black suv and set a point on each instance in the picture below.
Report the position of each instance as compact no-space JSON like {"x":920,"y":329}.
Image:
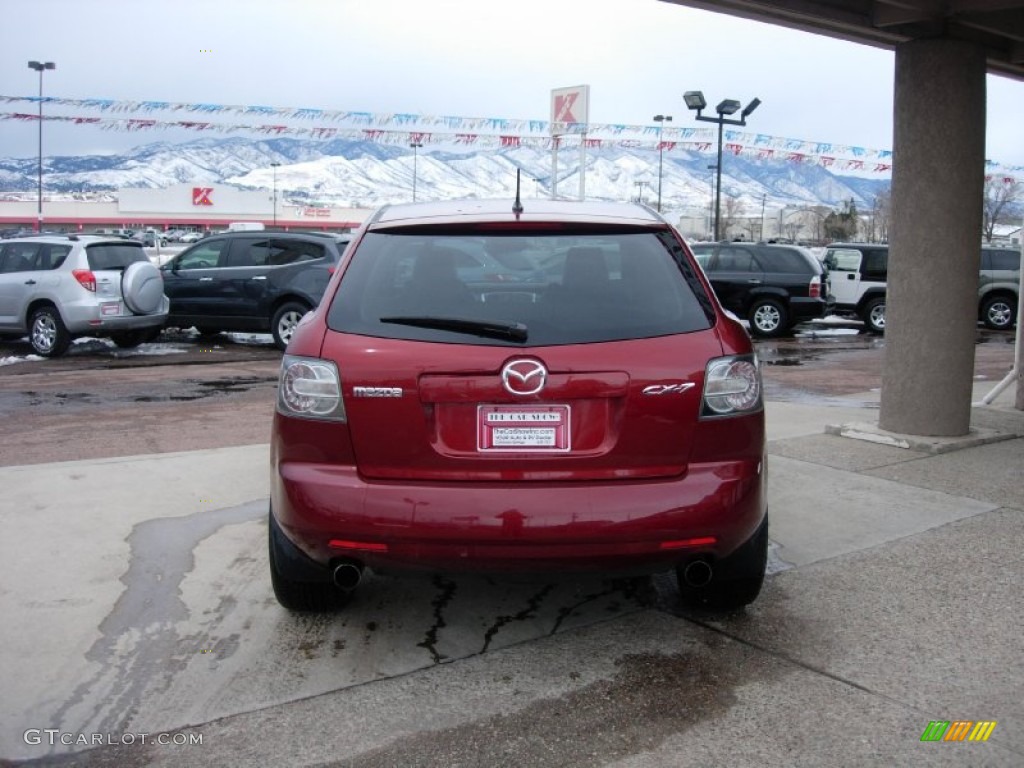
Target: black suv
{"x":775,"y":287}
{"x":251,"y":281}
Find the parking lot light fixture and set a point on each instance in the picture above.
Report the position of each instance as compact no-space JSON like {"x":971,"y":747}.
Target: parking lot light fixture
{"x":39,"y":67}
{"x":727,"y":107}
{"x":416,"y":146}
{"x":695,"y":100}
{"x":754,"y":104}
{"x":661,"y":120}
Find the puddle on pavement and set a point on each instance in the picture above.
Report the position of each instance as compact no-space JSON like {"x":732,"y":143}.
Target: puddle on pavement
{"x":631,"y":713}
{"x":139,"y":644}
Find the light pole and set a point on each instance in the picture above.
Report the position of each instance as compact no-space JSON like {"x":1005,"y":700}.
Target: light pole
{"x":416,"y":146}
{"x":275,"y":166}
{"x":640,"y":190}
{"x":711,"y":200}
{"x":763,"y":199}
{"x":39,"y":67}
{"x":661,"y":120}
{"x":695,"y":100}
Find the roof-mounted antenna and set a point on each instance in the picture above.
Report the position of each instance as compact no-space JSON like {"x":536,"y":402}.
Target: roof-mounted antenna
{"x":517,"y":206}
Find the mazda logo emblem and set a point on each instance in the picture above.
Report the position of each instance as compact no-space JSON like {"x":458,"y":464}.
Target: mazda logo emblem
{"x":524,"y":377}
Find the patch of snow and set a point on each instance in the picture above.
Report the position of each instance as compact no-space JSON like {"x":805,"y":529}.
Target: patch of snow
{"x":15,"y":359}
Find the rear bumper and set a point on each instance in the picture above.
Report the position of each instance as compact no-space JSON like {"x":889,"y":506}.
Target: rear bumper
{"x":612,"y":527}
{"x":88,"y":318}
{"x":802,"y":308}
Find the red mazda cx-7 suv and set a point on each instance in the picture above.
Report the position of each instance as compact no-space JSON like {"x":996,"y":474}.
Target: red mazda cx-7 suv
{"x":582,"y":404}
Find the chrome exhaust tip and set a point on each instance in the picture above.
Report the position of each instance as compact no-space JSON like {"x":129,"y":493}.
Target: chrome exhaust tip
{"x":698,"y":573}
{"x":347,"y":575}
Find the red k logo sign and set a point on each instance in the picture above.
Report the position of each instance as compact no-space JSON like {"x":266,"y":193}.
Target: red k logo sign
{"x":563,"y":108}
{"x":201,"y":195}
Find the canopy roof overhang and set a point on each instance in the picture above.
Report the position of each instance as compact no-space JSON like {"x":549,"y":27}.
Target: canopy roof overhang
{"x":995,"y":25}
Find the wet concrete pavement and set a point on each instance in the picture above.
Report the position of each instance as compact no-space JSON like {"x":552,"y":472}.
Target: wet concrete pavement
{"x":893,"y":601}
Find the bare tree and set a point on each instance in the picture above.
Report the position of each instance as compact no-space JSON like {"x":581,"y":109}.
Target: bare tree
{"x":881,"y":209}
{"x":793,"y":229}
{"x":730,"y":216}
{"x":1000,"y":196}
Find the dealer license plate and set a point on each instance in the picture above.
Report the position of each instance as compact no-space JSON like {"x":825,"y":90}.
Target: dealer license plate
{"x":522,"y":428}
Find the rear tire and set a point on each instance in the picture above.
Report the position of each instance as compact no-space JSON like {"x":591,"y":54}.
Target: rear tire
{"x":282,"y":325}
{"x":292,"y":593}
{"x":737,"y":579}
{"x":997,"y":312}
{"x":873,"y":315}
{"x":47,"y":333}
{"x":768,"y":318}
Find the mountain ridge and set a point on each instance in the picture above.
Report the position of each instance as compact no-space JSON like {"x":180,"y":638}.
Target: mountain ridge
{"x":358,"y":173}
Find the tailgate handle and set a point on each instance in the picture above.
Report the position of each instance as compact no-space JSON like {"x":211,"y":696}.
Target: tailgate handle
{"x":205,"y":279}
{"x":259,"y":277}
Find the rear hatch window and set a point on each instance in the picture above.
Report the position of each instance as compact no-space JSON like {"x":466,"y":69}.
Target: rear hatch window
{"x":520,"y":290}
{"x":114,"y":256}
{"x":520,"y":356}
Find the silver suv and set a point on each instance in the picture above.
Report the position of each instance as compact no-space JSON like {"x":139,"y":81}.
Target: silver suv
{"x":57,"y":287}
{"x":998,"y":287}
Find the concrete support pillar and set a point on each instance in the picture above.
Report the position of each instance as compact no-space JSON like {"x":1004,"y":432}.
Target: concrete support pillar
{"x":935,"y":238}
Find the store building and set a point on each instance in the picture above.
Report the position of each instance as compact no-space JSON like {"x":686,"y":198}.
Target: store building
{"x":184,"y":206}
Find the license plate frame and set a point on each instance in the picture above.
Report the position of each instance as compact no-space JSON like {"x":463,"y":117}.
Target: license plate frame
{"x":541,"y":428}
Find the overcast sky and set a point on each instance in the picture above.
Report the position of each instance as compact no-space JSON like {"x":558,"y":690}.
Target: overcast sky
{"x":470,"y":58}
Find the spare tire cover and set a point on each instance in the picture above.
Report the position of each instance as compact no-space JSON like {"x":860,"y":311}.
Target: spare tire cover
{"x":142,"y":287}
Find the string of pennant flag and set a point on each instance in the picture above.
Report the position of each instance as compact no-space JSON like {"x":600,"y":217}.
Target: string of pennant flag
{"x":488,"y":132}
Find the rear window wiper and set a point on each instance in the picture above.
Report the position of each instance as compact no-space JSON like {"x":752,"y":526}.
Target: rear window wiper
{"x":510,"y":331}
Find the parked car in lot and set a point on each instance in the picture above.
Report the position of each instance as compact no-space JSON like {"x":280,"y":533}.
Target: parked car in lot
{"x":124,"y":234}
{"x":150,"y":238}
{"x":999,"y":287}
{"x":250,"y":281}
{"x":605,"y":418}
{"x":859,"y":272}
{"x":55,"y":288}
{"x":190,"y":237}
{"x":774,"y":287}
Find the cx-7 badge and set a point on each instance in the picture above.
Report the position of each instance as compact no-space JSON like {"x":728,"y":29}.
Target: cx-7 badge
{"x":668,"y":389}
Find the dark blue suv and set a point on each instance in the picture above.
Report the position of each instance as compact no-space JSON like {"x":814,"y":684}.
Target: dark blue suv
{"x":251,"y":281}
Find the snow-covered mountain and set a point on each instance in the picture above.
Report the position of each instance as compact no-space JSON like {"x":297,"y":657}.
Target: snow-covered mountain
{"x":366,"y":174}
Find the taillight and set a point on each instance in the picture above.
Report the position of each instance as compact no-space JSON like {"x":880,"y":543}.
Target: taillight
{"x":732,"y":385}
{"x":311,"y":388}
{"x":814,"y":290}
{"x":85,"y":278}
